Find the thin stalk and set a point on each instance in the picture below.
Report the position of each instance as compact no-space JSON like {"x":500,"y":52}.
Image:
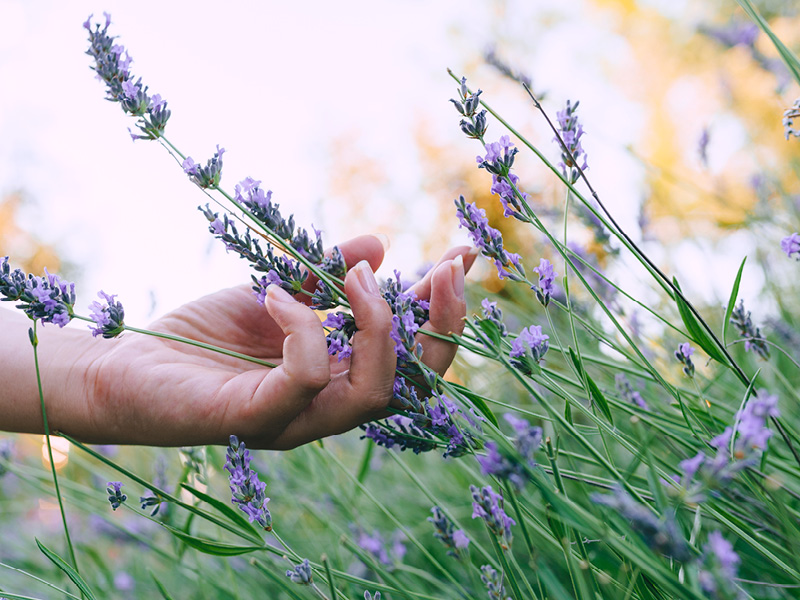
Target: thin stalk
{"x":35,"y":344}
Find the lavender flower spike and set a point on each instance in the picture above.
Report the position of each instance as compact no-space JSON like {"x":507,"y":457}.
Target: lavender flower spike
{"x":529,"y":348}
{"x":488,"y":239}
{"x":115,"y":495}
{"x":791,"y":245}
{"x":789,"y":115}
{"x":683,"y":354}
{"x":301,"y":574}
{"x":246,"y":489}
{"x":719,"y":568}
{"x":740,"y":318}
{"x":571,"y":132}
{"x":488,"y":505}
{"x":208,"y":176}
{"x":546,"y":278}
{"x":454,"y":539}
{"x":49,"y":298}
{"x":108,"y":317}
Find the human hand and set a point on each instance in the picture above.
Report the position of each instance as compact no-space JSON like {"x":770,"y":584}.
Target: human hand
{"x":148,"y":390}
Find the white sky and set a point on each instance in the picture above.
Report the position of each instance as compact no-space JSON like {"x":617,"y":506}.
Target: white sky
{"x":274,"y":83}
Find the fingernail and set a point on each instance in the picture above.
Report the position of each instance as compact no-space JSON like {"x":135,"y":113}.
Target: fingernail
{"x":473,"y":252}
{"x":366,"y":278}
{"x":383,"y":239}
{"x":278,"y":294}
{"x":457,"y":272}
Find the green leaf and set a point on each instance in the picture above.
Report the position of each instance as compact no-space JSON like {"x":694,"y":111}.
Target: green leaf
{"x":788,"y":57}
{"x":594,"y":392}
{"x":479,"y":403}
{"x":226,"y":509}
{"x":491,"y":330}
{"x":71,"y":573}
{"x":162,"y":590}
{"x":699,"y":335}
{"x":210,"y":546}
{"x":732,"y":300}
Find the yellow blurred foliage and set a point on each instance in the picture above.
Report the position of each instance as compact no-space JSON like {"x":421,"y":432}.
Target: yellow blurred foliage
{"x":24,"y":251}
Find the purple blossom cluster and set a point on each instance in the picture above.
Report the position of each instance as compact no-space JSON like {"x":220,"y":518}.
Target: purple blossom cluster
{"x":342,"y":327}
{"x":494,"y":583}
{"x":789,"y":115}
{"x":112,"y":66}
{"x":387,"y":553}
{"x":547,"y":275}
{"x":494,"y":315}
{"x":702,"y":472}
{"x":511,"y":467}
{"x":474,"y":125}
{"x":734,"y":33}
{"x":488,"y":239}
{"x":49,"y":299}
{"x":279,"y":270}
{"x":409,"y":314}
{"x":571,"y":133}
{"x":108,"y":317}
{"x":627,"y":392}
{"x":719,"y":567}
{"x":455,"y":540}
{"x":498,"y":161}
{"x":423,"y":424}
{"x":246,"y":489}
{"x":529,"y":348}
{"x":791,"y":245}
{"x":207,"y":176}
{"x":301,"y":574}
{"x":740,"y":318}
{"x":488,"y":505}
{"x":115,"y":495}
{"x":660,"y":534}
{"x":684,"y":356}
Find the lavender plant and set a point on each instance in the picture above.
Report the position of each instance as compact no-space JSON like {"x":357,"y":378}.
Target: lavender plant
{"x":593,"y":492}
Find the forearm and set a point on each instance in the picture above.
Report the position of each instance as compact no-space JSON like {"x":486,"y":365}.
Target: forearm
{"x":63,"y":357}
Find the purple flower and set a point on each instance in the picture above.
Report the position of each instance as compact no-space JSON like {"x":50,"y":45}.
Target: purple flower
{"x":571,"y":133}
{"x":112,"y":67}
{"x":115,"y":496}
{"x":246,"y":489}
{"x":752,"y":431}
{"x":683,"y":355}
{"x":791,"y":245}
{"x":529,"y":348}
{"x":494,"y":315}
{"x":208,"y":176}
{"x":386,"y":553}
{"x":512,"y":466}
{"x":626,"y":391}
{"x":735,"y":33}
{"x":661,"y":534}
{"x":546,"y":278}
{"x":789,"y":115}
{"x":493,"y":582}
{"x":108,"y":317}
{"x":488,"y":505}
{"x":740,"y":318}
{"x":342,"y":328}
{"x":719,"y":566}
{"x":49,"y":299}
{"x":301,"y":574}
{"x":487,"y":239}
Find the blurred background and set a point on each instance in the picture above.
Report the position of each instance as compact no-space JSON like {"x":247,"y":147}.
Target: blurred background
{"x":343,"y":112}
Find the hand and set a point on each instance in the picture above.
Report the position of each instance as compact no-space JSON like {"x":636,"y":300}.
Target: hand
{"x":147,"y":390}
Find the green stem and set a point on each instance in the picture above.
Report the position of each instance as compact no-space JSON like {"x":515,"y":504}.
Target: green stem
{"x":35,"y":343}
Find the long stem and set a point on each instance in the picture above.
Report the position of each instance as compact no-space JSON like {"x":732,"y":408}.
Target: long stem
{"x":35,"y":344}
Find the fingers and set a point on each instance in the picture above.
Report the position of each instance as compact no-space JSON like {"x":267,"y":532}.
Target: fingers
{"x":370,"y":248}
{"x":447,"y":312}
{"x":468,"y":254}
{"x":363,"y":392}
{"x":289,"y":388}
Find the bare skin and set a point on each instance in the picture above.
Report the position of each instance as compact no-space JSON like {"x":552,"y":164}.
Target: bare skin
{"x":138,"y":389}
